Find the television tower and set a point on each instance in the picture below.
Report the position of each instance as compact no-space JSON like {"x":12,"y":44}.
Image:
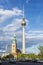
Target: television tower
{"x":23,"y":32}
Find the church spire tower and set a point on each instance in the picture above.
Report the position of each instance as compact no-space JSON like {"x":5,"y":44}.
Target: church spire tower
{"x":23,"y":32}
{"x":14,"y":46}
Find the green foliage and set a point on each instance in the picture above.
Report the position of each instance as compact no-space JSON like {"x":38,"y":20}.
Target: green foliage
{"x":32,"y":55}
{"x":27,"y":56}
{"x":41,"y":51}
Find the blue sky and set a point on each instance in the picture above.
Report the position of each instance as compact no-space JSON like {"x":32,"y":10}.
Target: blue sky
{"x":11,"y":12}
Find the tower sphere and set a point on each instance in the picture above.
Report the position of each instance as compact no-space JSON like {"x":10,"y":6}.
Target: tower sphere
{"x":23,"y":22}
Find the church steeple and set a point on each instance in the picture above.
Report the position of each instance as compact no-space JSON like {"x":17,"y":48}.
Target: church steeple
{"x":14,"y":40}
{"x":14,"y":47}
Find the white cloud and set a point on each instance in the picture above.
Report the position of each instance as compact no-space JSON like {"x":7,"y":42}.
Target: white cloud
{"x":14,"y":11}
{"x":34,"y":34}
{"x":2,"y":50}
{"x":13,"y":26}
{"x":5,"y":38}
{"x":36,"y":31}
{"x":5,"y":14}
{"x":33,"y":49}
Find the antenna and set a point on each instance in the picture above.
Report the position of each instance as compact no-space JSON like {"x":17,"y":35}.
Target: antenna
{"x":23,"y":10}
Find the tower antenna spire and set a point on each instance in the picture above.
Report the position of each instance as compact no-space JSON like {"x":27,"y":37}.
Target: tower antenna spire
{"x":23,"y":10}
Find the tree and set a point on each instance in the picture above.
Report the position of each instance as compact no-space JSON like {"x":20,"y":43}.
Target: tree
{"x":7,"y":57}
{"x":41,"y":51}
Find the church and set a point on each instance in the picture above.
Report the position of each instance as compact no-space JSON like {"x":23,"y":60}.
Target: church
{"x":14,"y":47}
{"x":14,"y":50}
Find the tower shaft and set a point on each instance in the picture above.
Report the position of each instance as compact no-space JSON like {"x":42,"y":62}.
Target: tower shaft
{"x":23,"y":40}
{"x":23,"y":35}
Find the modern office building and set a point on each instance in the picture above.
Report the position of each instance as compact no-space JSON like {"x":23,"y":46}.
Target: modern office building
{"x":8,"y":49}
